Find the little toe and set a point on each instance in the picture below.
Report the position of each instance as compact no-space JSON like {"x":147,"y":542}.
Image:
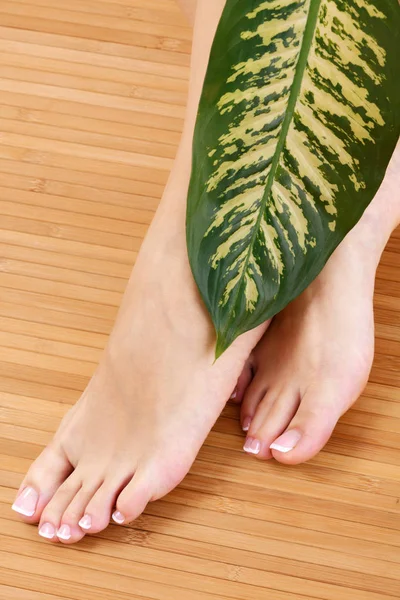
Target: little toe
{"x":70,"y":529}
{"x":271,"y":418}
{"x":311,"y":427}
{"x":132,"y":501}
{"x":242,"y":383}
{"x":43,"y":479}
{"x":50,"y":520}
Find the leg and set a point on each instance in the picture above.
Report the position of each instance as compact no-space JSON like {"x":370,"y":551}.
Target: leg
{"x":189,"y":8}
{"x":315,"y":359}
{"x":157,"y":392}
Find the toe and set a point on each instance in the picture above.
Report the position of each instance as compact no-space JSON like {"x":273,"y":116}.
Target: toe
{"x":271,"y":418}
{"x":44,"y":477}
{"x":50,"y":520}
{"x":97,"y":513}
{"x":242,"y":383}
{"x":132,"y":500}
{"x":310,"y":428}
{"x":70,"y":529}
{"x":254,"y":394}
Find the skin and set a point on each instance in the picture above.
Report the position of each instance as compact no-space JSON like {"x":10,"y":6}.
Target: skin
{"x":189,"y":9}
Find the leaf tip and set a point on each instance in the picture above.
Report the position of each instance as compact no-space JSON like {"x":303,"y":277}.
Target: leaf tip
{"x":221,"y":345}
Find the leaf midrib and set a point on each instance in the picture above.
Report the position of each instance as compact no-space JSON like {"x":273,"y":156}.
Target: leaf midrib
{"x":302,"y":61}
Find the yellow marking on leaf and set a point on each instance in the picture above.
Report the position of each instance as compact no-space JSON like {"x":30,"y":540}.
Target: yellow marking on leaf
{"x":316,"y":117}
{"x":309,"y":165}
{"x":228,"y":101}
{"x":230,"y":287}
{"x":359,"y":185}
{"x":239,"y":261}
{"x":270,"y":241}
{"x":248,"y":183}
{"x":254,"y":66}
{"x":326,"y":103}
{"x":250,"y":128}
{"x":372,"y":10}
{"x":239,"y":235}
{"x":353,"y":93}
{"x":307,"y":197}
{"x":269,"y":5}
{"x":238,"y":204}
{"x":254,"y":264}
{"x":251,"y":137}
{"x":273,"y":210}
{"x":257,"y":155}
{"x":349,"y":44}
{"x":284,"y":197}
{"x":269,"y":31}
{"x":230,"y":149}
{"x":327,"y":189}
{"x":250,"y":293}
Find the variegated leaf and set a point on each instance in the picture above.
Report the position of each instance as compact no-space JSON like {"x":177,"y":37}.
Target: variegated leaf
{"x":297,"y":121}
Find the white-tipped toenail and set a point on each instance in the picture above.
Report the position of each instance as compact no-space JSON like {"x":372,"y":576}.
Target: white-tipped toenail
{"x":64,"y":533}
{"x":85,"y":522}
{"x":233,"y":395}
{"x":118,"y":517}
{"x":26,"y":502}
{"x":287,"y":441}
{"x":246,"y":424}
{"x":280,"y":448}
{"x":252,"y":446}
{"x":48,"y":531}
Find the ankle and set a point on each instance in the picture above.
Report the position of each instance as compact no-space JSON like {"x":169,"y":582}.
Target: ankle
{"x":371,"y":234}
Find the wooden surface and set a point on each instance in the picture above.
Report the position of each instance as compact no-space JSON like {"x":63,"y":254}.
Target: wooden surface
{"x":92,"y":97}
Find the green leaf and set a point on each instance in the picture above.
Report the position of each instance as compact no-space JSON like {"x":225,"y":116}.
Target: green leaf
{"x":297,"y":121}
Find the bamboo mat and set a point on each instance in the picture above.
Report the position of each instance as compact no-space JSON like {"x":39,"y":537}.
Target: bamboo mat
{"x":92,"y":96}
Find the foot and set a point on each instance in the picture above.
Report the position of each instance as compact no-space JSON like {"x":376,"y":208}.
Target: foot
{"x":315,"y":358}
{"x":139,"y":425}
{"x":157,"y":392}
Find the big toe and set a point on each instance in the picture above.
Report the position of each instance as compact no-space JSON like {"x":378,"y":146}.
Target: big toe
{"x":311,"y":426}
{"x":43,"y":479}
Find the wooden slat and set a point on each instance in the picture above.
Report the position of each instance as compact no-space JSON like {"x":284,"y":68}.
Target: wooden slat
{"x":92,"y":102}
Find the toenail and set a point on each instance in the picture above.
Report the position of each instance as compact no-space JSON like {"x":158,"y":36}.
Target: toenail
{"x":85,"y":522}
{"x":234,"y":394}
{"x":287,"y":441}
{"x":26,"y":502}
{"x":246,"y":424}
{"x":252,"y":446}
{"x":118,"y":517}
{"x":47,"y":531}
{"x":64,"y":533}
